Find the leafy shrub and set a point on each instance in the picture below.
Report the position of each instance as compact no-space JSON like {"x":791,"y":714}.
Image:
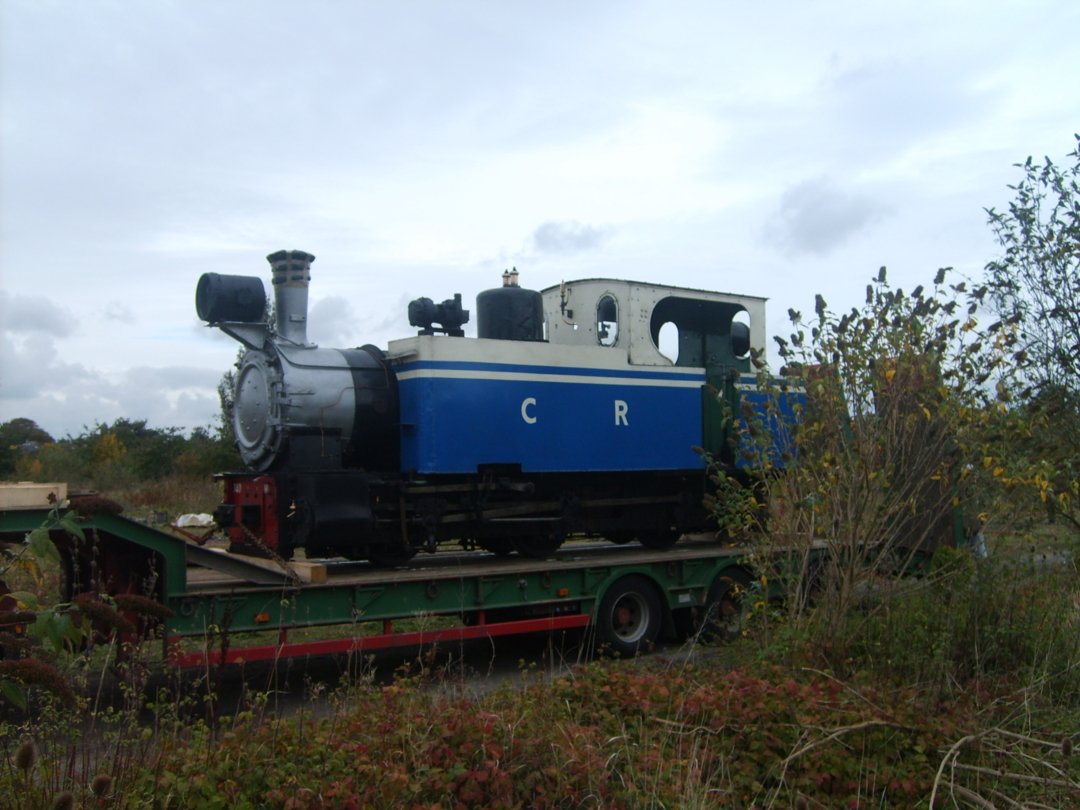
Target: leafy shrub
{"x":966,"y":622}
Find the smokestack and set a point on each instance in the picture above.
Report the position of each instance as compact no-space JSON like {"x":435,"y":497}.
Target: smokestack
{"x":292,"y":274}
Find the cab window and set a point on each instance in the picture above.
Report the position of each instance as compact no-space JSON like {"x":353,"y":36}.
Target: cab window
{"x":607,"y":320}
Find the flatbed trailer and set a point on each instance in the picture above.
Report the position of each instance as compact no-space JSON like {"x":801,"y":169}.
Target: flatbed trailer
{"x":627,"y":595}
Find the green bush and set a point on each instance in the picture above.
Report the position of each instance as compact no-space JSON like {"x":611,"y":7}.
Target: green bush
{"x":966,"y":621}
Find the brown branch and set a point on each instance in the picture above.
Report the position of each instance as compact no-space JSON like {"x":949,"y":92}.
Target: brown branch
{"x":685,"y":729}
{"x":975,"y":798}
{"x":866,"y":724}
{"x":1010,"y":801}
{"x":951,"y":753}
{"x":1020,"y":777}
{"x":1025,"y":738}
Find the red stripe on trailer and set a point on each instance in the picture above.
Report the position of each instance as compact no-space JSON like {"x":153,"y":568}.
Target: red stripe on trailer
{"x":383,"y":641}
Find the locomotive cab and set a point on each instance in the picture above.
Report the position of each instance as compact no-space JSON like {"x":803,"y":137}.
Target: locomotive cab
{"x":708,"y":329}
{"x":660,"y":325}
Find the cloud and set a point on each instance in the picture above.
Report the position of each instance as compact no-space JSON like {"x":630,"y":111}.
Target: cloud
{"x":331,"y":322}
{"x":171,"y":396}
{"x":423,"y":153}
{"x":32,"y":363}
{"x":34,"y":313}
{"x":567,"y":237}
{"x":39,"y":380}
{"x":816,"y":217}
{"x":66,"y":398}
{"x":120,"y":312}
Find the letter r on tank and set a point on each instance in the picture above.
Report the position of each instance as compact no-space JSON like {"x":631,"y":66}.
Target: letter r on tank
{"x":525,"y":405}
{"x":621,"y":409}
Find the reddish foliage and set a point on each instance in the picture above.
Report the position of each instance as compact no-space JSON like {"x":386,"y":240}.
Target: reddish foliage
{"x":606,"y":736}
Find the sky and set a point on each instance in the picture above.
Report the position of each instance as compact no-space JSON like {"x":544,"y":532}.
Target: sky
{"x":421,"y":147}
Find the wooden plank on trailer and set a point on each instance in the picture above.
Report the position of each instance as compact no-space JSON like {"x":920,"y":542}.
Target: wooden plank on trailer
{"x":307,"y":571}
{"x":446,"y":566}
{"x":304,"y":571}
{"x":29,"y":495}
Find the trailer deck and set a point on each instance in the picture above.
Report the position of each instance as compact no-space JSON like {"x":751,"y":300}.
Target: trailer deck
{"x":221,"y":601}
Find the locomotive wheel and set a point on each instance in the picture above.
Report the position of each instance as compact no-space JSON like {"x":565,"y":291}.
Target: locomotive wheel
{"x":721,"y":617}
{"x":497,"y":545}
{"x":539,"y":546}
{"x":659,"y":540}
{"x":390,"y":555}
{"x":629,"y":617}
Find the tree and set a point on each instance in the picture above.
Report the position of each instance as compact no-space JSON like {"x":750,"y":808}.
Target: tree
{"x":15,"y":434}
{"x":1036,"y":283}
{"x":889,"y":438}
{"x":1035,"y":291}
{"x":226,"y":390}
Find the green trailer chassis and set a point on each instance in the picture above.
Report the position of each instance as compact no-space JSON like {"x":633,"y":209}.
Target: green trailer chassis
{"x":628,"y":594}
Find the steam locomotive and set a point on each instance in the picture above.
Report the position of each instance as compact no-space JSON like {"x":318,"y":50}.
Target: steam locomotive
{"x":562,"y":417}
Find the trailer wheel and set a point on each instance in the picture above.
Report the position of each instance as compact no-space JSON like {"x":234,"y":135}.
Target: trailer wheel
{"x":629,"y":618}
{"x":721,"y":617}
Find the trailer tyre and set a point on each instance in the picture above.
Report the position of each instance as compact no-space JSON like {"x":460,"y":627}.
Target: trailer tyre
{"x":629,"y":618}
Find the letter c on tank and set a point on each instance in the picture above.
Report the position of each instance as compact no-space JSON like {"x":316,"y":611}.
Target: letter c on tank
{"x":525,"y":404}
